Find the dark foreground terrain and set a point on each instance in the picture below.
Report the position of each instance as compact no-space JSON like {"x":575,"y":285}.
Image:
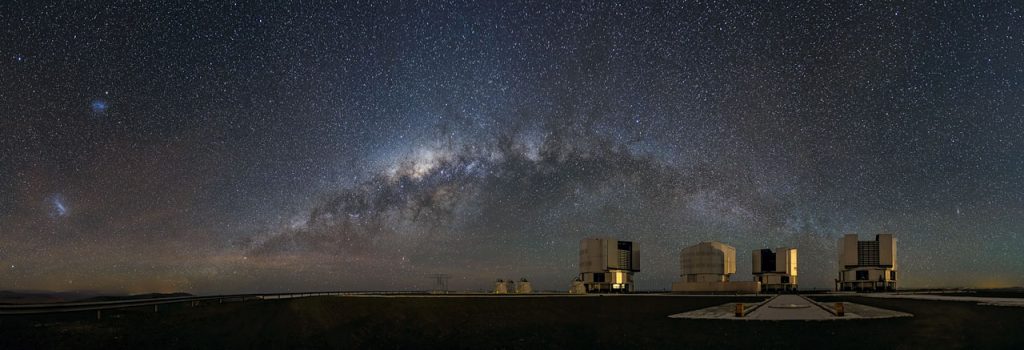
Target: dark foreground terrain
{"x":507,"y":322}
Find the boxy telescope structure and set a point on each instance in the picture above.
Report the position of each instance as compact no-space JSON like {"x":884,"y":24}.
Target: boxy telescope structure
{"x":867,"y":265}
{"x":775,"y":270}
{"x":607,"y":265}
{"x":707,"y":267}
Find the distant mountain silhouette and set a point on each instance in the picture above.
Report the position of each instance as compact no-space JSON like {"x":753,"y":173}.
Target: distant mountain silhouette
{"x":38,"y":297}
{"x":136,"y":296}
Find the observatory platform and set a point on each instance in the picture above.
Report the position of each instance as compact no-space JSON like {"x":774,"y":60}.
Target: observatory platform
{"x":788,"y":307}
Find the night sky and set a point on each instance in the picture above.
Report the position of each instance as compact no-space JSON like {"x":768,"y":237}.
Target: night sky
{"x":219,"y":148}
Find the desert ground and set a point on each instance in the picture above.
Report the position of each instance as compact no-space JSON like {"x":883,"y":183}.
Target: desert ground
{"x":510,"y":322}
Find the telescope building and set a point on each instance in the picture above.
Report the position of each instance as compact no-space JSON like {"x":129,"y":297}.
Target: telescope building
{"x":707,"y":267}
{"x":775,"y":270}
{"x":867,"y":265}
{"x":607,"y":265}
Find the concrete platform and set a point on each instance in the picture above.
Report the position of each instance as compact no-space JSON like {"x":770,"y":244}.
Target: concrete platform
{"x":790,"y":307}
{"x":1017,"y":302}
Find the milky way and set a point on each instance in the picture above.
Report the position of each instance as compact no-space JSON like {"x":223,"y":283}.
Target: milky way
{"x":233,"y":148}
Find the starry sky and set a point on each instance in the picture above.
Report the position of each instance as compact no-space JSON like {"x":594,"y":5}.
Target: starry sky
{"x":240,"y":147}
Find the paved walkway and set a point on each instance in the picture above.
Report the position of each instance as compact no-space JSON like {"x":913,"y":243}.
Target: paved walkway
{"x":724,"y":311}
{"x":789,"y":307}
